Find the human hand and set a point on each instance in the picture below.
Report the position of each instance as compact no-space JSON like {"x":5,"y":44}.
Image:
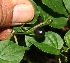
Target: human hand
{"x":14,"y":12}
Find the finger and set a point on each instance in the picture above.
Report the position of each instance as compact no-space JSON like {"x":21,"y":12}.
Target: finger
{"x":23,"y":13}
{"x":4,"y":33}
{"x":15,"y":11}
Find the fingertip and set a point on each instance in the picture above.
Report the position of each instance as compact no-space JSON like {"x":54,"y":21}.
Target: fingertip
{"x":23,"y":13}
{"x":4,"y":33}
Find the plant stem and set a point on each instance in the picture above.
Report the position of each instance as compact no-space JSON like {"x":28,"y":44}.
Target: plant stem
{"x":66,"y":59}
{"x":11,"y":34}
{"x":59,"y":60}
{"x":47,"y":22}
{"x":15,"y":39}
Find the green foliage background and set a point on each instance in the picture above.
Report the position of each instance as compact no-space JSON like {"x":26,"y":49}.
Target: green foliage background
{"x":56,"y":11}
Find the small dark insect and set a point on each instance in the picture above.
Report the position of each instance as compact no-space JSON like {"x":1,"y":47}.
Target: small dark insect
{"x":39,"y":32}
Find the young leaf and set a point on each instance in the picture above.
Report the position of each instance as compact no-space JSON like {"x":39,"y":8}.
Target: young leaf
{"x":10,"y":52}
{"x":67,"y":4}
{"x":67,"y":38}
{"x":52,"y":43}
{"x":58,"y":22}
{"x":18,"y":29}
{"x":56,"y":6}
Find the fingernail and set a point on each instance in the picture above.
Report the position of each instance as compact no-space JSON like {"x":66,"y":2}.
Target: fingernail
{"x":22,"y":13}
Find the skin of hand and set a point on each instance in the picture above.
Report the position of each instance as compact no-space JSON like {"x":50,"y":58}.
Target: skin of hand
{"x":12,"y":13}
{"x":4,"y":33}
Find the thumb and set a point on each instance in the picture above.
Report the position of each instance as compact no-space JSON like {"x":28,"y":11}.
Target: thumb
{"x":15,"y":11}
{"x":23,"y":13}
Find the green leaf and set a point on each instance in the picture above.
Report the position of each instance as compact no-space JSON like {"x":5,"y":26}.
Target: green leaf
{"x":52,"y":43}
{"x":35,"y":18}
{"x":18,"y":29}
{"x":58,"y":22}
{"x":56,"y":6}
{"x":67,"y":38}
{"x":11,"y":52}
{"x":43,"y":14}
{"x":28,"y":44}
{"x":65,"y":49}
{"x":36,"y":13}
{"x":67,"y":4}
